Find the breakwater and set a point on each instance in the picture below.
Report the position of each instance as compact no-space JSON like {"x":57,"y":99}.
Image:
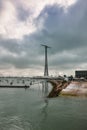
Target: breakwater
{"x":68,"y":88}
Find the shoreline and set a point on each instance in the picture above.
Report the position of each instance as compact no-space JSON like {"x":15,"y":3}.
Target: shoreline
{"x":68,"y":88}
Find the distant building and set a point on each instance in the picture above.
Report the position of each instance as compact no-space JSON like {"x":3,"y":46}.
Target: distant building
{"x":81,"y":74}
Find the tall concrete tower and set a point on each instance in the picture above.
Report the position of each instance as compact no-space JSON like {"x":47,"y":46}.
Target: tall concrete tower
{"x":46,"y":61}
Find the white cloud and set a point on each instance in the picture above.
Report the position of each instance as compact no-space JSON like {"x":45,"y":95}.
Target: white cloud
{"x":11,"y":27}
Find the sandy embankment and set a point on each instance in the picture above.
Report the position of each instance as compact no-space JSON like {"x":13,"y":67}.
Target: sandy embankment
{"x":73,"y":88}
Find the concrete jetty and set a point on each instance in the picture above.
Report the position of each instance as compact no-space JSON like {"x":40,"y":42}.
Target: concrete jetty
{"x":68,"y":88}
{"x":58,"y":86}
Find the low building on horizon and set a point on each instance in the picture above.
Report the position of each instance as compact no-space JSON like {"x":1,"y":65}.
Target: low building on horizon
{"x":81,"y":74}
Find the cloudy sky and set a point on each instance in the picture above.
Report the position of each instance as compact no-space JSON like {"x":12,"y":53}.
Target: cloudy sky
{"x":26,"y":24}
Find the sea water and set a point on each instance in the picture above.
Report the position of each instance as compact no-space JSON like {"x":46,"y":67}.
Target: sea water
{"x":30,"y":109}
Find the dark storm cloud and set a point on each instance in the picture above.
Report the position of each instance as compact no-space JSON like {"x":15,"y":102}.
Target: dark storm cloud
{"x":20,"y":54}
{"x":65,"y":31}
{"x":18,"y":62}
{"x":12,"y":45}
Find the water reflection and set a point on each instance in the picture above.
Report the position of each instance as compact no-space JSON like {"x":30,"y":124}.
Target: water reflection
{"x":44,"y":109}
{"x":45,"y":88}
{"x":45,"y":92}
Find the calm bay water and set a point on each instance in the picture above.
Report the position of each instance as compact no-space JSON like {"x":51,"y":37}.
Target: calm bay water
{"x":29,"y":109}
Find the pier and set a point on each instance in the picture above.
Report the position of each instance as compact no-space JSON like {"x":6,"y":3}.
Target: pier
{"x":15,"y":82}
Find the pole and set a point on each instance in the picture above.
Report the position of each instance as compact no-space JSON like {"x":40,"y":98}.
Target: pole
{"x":46,"y":61}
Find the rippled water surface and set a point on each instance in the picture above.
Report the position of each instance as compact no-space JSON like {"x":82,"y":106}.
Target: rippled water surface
{"x":29,"y":109}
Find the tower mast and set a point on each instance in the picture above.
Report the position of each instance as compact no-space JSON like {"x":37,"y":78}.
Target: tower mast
{"x":46,"y":60}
